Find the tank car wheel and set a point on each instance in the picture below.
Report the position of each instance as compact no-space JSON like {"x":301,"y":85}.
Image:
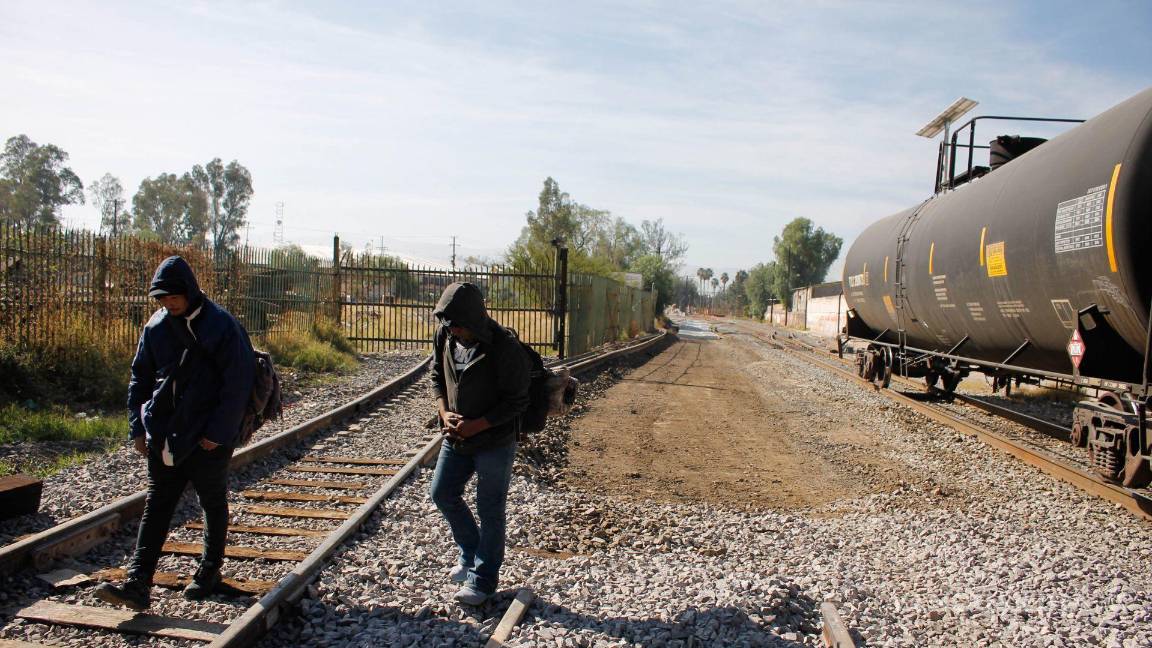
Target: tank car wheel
{"x":888,"y":362}
{"x":1137,"y":472}
{"x":867,"y":367}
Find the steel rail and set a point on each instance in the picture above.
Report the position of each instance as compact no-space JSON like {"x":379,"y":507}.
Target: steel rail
{"x":81,"y":533}
{"x":1137,"y":502}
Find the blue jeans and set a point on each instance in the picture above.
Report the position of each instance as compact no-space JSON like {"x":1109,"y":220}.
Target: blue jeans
{"x":481,"y":547}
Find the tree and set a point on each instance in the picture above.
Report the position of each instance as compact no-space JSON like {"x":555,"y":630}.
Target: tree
{"x":108,"y":197}
{"x":724,"y":279}
{"x":227,"y":191}
{"x":759,"y":287}
{"x":171,"y":209}
{"x":35,"y":183}
{"x":558,"y":219}
{"x":803,"y":256}
{"x":657,"y":277}
{"x":619,"y":244}
{"x":737,"y":298}
{"x":715,"y":284}
{"x":685,"y":292}
{"x":664,"y":244}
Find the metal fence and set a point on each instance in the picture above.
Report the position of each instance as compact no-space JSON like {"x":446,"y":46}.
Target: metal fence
{"x":602,"y":310}
{"x":59,"y":287}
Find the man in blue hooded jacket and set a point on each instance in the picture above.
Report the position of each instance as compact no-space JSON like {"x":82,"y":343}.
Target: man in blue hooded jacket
{"x":191,"y":380}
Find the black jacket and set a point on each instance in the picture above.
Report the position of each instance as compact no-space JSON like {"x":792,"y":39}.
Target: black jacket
{"x":210,"y":392}
{"x":494,"y":386}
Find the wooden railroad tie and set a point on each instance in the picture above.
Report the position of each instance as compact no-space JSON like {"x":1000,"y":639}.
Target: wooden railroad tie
{"x":310,"y":483}
{"x":355,"y":461}
{"x":172,"y":580}
{"x":265,"y":530}
{"x":301,"y":497}
{"x":195,"y":549}
{"x":19,"y":495}
{"x":337,"y":470}
{"x":835,"y":633}
{"x":119,"y":620}
{"x":511,"y":617}
{"x":287,"y":511}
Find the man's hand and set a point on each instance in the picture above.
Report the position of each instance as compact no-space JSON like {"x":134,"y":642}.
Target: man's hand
{"x":141,"y":444}
{"x":470,"y":427}
{"x":450,"y":419}
{"x":208,"y":445}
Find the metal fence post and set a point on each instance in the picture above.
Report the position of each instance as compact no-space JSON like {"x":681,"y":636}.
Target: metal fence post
{"x":336,"y":296}
{"x":561,"y":298}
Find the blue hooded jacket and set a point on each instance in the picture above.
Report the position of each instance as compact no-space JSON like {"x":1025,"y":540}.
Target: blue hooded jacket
{"x":208,"y":396}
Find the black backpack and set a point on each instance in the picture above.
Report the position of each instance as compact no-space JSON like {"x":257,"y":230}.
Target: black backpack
{"x":550,"y":393}
{"x":265,"y":403}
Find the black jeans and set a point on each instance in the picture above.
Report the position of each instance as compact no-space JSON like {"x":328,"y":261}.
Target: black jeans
{"x":208,"y":472}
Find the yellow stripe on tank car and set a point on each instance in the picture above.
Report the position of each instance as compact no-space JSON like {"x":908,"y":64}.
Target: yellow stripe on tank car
{"x":983,"y":232}
{"x":1108,"y":219}
{"x":931,"y":254}
{"x":885,"y":269}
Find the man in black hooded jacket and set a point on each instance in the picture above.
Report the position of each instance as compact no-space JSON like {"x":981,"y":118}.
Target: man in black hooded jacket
{"x":191,"y":380}
{"x":480,"y":377}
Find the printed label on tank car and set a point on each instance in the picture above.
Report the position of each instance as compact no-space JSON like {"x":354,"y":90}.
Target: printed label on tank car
{"x":1065,"y":312}
{"x":1080,"y":221}
{"x":976,"y":310}
{"x":941,"y":290}
{"x":994,"y":260}
{"x":1012,"y":309}
{"x":858,"y":280}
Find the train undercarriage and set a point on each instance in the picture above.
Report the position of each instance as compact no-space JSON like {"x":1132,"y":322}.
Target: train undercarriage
{"x":1112,"y":424}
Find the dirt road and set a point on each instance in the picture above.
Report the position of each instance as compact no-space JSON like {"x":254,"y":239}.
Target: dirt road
{"x":715,"y":419}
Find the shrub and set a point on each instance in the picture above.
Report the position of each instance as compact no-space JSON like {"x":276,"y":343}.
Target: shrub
{"x":306,"y":352}
{"x":57,"y":424}
{"x":328,"y":331}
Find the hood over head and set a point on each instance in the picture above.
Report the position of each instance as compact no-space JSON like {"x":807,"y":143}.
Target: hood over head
{"x":462,"y":304}
{"x":175,"y":277}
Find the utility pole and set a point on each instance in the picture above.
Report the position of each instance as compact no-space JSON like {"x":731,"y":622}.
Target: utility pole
{"x":115,"y":215}
{"x":453,"y":253}
{"x":382,"y":248}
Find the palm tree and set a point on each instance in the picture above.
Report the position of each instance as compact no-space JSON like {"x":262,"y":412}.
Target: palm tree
{"x":700,"y":278}
{"x":724,"y":279}
{"x":707,"y":275}
{"x":715,"y":283}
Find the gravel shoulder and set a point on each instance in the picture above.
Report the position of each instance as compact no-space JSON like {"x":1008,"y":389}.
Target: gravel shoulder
{"x":923,"y":537}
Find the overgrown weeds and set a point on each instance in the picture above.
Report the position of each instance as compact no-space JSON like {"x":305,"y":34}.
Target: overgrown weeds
{"x":323,"y":348}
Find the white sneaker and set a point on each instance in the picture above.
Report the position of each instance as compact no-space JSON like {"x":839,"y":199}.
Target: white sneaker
{"x":469,"y":595}
{"x":459,"y":574}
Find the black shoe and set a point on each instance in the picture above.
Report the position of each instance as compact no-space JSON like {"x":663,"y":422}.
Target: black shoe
{"x":206,"y":580}
{"x":132,"y":594}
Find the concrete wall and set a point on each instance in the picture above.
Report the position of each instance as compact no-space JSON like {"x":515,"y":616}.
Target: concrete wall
{"x":813,"y":309}
{"x":826,"y":315}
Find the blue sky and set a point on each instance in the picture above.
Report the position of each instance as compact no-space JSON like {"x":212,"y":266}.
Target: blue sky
{"x":416,"y":121}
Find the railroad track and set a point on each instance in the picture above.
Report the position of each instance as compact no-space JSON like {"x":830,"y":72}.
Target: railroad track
{"x":1138,"y":501}
{"x":297,"y":485}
